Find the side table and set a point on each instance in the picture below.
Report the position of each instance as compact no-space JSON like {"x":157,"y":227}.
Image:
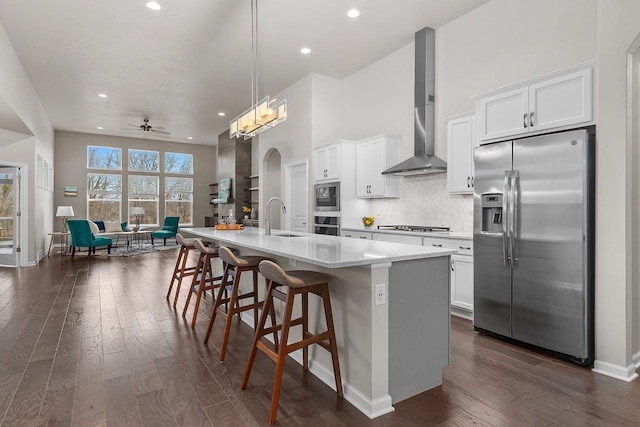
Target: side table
{"x":63,"y":239}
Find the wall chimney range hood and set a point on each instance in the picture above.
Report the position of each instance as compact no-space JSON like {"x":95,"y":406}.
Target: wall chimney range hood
{"x":423,"y":161}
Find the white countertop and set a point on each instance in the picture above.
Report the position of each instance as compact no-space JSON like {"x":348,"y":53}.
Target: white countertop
{"x":325,"y":251}
{"x":440,"y":234}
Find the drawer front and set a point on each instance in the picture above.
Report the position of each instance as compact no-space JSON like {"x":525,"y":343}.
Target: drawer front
{"x":356,"y":234}
{"x":464,"y":247}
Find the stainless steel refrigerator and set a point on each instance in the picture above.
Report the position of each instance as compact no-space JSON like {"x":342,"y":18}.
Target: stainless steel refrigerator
{"x":534,"y":208}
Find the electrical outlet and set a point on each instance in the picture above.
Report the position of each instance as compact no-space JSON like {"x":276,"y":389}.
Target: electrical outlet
{"x":380,"y":294}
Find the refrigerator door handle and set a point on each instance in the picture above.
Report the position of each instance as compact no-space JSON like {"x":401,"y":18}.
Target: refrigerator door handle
{"x":505,"y":218}
{"x":513,"y":221}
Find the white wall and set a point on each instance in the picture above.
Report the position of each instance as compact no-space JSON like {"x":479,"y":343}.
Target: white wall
{"x":19,"y":95}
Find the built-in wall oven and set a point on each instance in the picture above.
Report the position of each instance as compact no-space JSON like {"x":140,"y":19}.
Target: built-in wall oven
{"x":329,"y":225}
{"x":327,"y":197}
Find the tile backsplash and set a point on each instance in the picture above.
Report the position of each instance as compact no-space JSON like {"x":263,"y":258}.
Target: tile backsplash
{"x":424,"y":200}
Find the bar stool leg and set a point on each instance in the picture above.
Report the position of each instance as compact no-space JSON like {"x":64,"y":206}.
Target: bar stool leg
{"x":332,"y":339}
{"x":193,"y":284}
{"x":233,"y":303}
{"x":267,"y":308}
{"x":183,"y":267}
{"x":175,"y":269}
{"x":282,"y":356}
{"x":305,"y":330}
{"x":255,"y":299}
{"x":203,"y":282}
{"x":218,"y":301}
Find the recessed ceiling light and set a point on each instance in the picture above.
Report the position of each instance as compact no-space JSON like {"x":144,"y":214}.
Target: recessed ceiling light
{"x":99,"y":127}
{"x":154,"y":5}
{"x":102,"y":95}
{"x":221,"y":114}
{"x":353,"y":13}
{"x":189,"y":137}
{"x":305,"y":51}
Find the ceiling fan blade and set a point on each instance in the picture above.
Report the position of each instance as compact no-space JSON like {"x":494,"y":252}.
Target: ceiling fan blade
{"x":161,"y":132}
{"x":135,"y":126}
{"x":129,"y":129}
{"x":159,"y":127}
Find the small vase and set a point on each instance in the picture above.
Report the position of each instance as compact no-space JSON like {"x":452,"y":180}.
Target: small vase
{"x":368,"y":226}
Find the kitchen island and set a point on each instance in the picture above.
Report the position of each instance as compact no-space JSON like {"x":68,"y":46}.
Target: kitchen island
{"x":389,"y":350}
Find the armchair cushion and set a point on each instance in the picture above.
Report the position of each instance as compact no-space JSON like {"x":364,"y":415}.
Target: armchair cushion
{"x":112,"y":226}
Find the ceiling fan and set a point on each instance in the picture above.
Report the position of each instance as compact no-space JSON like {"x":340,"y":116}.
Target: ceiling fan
{"x":146,"y":127}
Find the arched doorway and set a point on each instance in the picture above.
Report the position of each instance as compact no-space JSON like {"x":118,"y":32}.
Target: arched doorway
{"x":273,"y":185}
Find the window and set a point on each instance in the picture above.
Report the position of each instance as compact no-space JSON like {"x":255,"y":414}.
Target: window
{"x":178,"y":198}
{"x":104,"y":157}
{"x":144,"y":161}
{"x":104,"y":196}
{"x":178,"y":163}
{"x":143,"y":192}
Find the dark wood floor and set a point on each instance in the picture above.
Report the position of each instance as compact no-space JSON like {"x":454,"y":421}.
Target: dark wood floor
{"x":89,"y":342}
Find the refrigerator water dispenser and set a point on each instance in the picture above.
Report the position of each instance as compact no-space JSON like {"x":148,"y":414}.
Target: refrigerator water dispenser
{"x":492,"y":213}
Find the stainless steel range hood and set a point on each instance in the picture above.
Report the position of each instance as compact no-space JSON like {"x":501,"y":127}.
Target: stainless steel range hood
{"x":424,"y":161}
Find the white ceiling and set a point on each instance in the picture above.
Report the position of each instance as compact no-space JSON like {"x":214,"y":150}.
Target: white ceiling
{"x":183,"y":64}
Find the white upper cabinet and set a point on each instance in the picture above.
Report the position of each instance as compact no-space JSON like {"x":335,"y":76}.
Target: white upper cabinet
{"x":460,"y":144}
{"x":327,"y":163}
{"x":374,"y":155}
{"x":560,"y":100}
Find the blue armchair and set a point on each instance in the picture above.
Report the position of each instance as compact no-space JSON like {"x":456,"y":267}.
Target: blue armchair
{"x":81,"y":236}
{"x":169,"y":229}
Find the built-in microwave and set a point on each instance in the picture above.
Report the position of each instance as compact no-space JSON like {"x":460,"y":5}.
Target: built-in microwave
{"x":327,"y":197}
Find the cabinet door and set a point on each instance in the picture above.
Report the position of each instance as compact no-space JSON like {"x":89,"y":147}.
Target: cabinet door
{"x":320,"y":164}
{"x":357,"y":234}
{"x":363,"y":169}
{"x":333,"y":162}
{"x":398,"y":238}
{"x":504,"y":114}
{"x":561,"y":101}
{"x":462,"y":282}
{"x":460,"y":136}
{"x":378,"y":164}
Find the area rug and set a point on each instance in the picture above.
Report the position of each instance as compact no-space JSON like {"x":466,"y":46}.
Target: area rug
{"x":137,"y":249}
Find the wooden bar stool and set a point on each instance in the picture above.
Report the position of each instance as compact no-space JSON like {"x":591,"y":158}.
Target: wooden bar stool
{"x":234,"y":266}
{"x":298,"y":282}
{"x":203,"y":279}
{"x":181,"y":270}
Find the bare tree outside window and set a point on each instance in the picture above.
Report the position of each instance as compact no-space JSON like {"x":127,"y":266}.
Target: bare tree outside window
{"x":144,"y":192}
{"x":6,"y":206}
{"x":178,"y":198}
{"x":104,"y":158}
{"x":104,"y":197}
{"x":144,"y":161}
{"x":178,"y":163}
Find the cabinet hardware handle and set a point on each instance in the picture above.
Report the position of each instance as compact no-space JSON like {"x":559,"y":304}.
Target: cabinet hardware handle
{"x":531,"y":119}
{"x":347,"y":235}
{"x":473,"y":181}
{"x":452,"y":269}
{"x":468,"y":248}
{"x":468,"y":179}
{"x":436,"y":245}
{"x":363,"y":237}
{"x":524,"y":119}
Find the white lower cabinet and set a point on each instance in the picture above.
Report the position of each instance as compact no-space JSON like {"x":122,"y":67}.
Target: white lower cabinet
{"x":398,"y":238}
{"x":462,"y":282}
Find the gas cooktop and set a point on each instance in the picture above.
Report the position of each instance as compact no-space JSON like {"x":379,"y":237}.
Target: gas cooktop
{"x":414,"y":228}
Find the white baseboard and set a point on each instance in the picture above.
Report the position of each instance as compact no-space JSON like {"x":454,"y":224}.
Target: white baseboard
{"x":636,"y":360}
{"x":627,"y":374}
{"x":461,"y":312}
{"x":371,"y":408}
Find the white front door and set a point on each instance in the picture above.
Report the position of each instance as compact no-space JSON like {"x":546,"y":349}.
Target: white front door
{"x":9,"y":242}
{"x":298,"y":197}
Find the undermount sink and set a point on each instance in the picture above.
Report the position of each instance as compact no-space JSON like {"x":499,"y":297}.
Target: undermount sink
{"x":288,"y":235}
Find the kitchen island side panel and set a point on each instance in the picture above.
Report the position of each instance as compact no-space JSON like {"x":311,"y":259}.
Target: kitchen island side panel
{"x":419,"y":325}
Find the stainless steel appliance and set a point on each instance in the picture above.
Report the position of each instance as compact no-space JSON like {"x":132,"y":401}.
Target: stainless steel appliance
{"x":329,"y":225}
{"x":534,"y":209}
{"x":414,"y":228}
{"x":327,"y":197}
